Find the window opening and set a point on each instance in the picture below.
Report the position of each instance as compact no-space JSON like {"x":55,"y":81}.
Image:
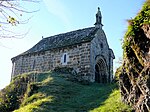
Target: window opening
{"x":65,"y":58}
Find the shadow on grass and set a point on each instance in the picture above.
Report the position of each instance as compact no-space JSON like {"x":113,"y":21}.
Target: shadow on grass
{"x":71,"y":96}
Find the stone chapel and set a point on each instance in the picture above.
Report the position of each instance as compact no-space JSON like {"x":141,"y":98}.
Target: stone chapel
{"x":85,"y":50}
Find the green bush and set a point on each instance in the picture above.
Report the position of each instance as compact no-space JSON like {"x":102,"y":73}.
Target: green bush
{"x":12,"y":96}
{"x":9,"y":99}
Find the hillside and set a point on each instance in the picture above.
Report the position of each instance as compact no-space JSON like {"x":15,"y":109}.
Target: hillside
{"x":54,"y":92}
{"x":135,"y":71}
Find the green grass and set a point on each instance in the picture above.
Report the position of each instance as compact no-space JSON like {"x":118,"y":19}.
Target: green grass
{"x":31,"y":107}
{"x":113,"y":104}
{"x":55,"y":93}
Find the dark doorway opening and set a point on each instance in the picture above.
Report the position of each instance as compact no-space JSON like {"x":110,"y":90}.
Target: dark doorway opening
{"x":100,"y":72}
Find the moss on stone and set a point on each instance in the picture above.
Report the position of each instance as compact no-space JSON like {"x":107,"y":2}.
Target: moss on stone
{"x":134,"y":76}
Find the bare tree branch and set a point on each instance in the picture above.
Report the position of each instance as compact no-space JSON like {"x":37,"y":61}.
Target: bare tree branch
{"x":11,"y":12}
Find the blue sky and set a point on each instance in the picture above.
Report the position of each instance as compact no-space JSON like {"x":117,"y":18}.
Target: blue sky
{"x":60,"y":16}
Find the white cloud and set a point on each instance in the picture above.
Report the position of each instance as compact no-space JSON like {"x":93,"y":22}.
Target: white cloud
{"x":57,"y":8}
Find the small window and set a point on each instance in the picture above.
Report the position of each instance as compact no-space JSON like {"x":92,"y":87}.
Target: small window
{"x":101,"y":46}
{"x":65,"y":58}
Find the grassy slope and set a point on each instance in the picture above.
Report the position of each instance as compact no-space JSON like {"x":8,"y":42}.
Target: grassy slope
{"x":55,"y":93}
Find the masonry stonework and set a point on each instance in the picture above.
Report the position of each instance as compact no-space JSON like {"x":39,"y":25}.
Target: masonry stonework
{"x":78,"y":56}
{"x":100,"y":50}
{"x":85,"y":50}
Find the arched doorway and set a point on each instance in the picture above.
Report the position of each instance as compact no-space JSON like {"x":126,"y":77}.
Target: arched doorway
{"x":100,"y":71}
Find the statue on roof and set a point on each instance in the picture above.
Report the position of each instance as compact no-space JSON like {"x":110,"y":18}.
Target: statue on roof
{"x":98,"y":18}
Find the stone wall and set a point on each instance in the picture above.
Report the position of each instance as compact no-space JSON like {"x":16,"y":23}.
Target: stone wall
{"x":111,"y":58}
{"x":77,"y":57}
{"x":99,"y":47}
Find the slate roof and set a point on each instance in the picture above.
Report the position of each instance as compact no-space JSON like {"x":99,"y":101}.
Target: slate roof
{"x":63,"y":40}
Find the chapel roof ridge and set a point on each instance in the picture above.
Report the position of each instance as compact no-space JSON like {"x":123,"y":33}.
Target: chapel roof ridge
{"x":62,"y":40}
{"x":63,"y":33}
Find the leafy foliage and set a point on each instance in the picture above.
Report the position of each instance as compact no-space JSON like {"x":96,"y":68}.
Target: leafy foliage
{"x":117,"y":73}
{"x":134,"y":27}
{"x":9,"y":98}
{"x":12,"y":96}
{"x":133,"y":75}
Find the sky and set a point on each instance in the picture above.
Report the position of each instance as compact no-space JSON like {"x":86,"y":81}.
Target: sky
{"x":61,"y":16}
